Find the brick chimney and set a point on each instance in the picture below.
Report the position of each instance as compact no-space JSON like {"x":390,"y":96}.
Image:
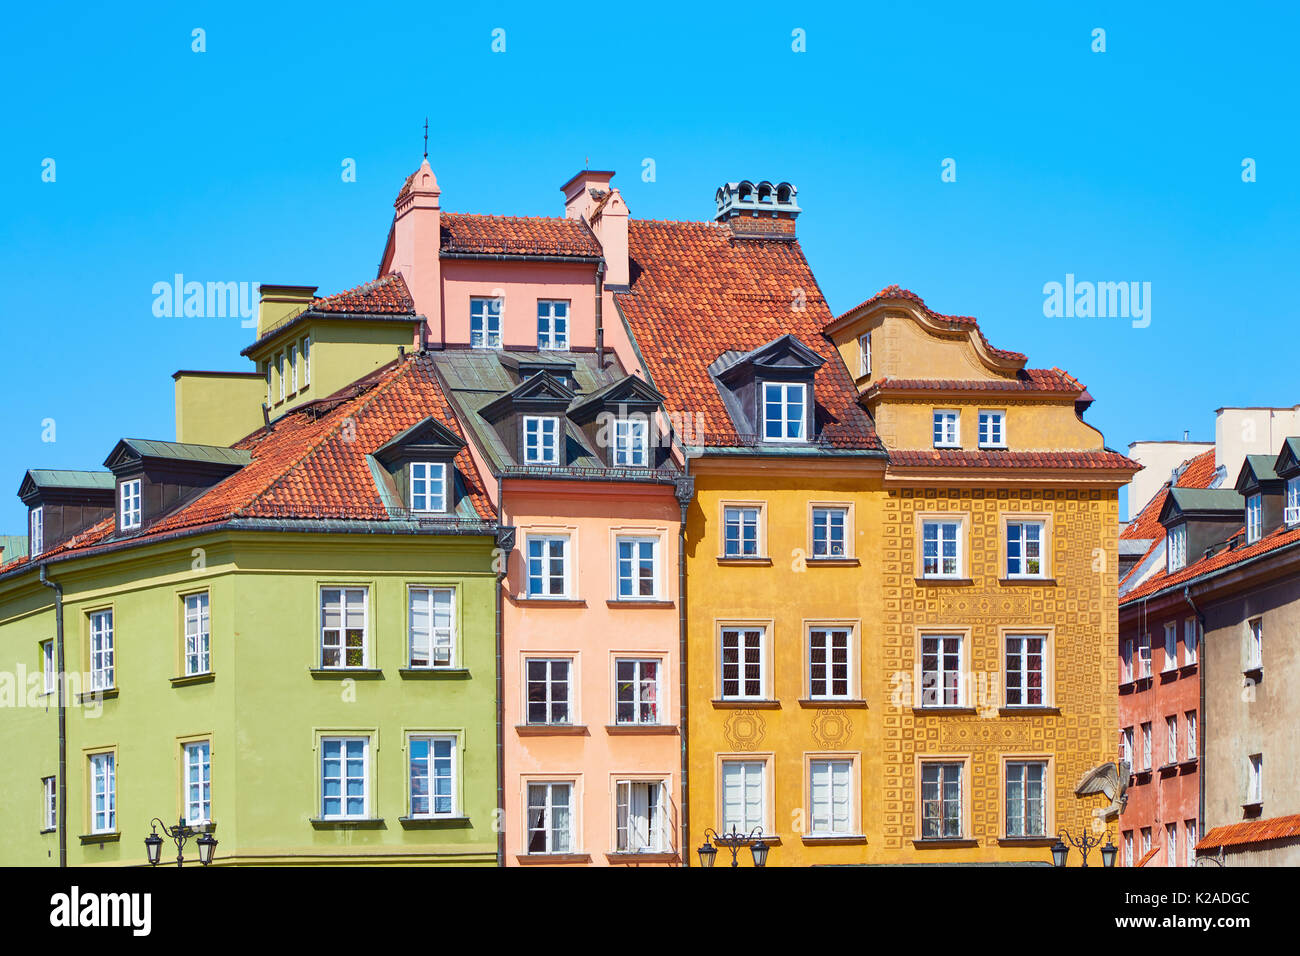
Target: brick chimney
{"x":762,"y":211}
{"x":417,"y":231}
{"x":590,"y":197}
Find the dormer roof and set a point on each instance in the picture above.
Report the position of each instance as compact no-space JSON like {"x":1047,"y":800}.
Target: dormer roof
{"x":38,"y":481}
{"x":1258,"y":474}
{"x":1201,"y":502}
{"x":1287,"y":464}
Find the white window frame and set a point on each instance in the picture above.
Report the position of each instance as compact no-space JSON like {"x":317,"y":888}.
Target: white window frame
{"x":1291,"y":511}
{"x":555,"y":840}
{"x":553,"y":325}
{"x":537,"y":429}
{"x":344,"y":740}
{"x":197,"y":757}
{"x":637,"y":686}
{"x":936,"y":695}
{"x":822,"y":813}
{"x":1171,"y":739}
{"x":747,"y":658}
{"x":1189,"y":834}
{"x":130,"y":504}
{"x":47,"y":667}
{"x":1144,"y":657}
{"x":347,"y":600}
{"x":103,"y":650}
{"x":1255,"y":643}
{"x":431,"y":775}
{"x":864,"y":354}
{"x":279,"y":366}
{"x":1025,"y":763}
{"x":36,"y":530}
{"x":822,"y":520}
{"x":638,"y":830}
{"x":270,"y":395}
{"x":545,"y":563}
{"x":1023,"y":671}
{"x":1191,"y":640}
{"x":824,"y":637}
{"x":306,"y":361}
{"x":1171,"y":647}
{"x":1126,"y":661}
{"x":992,"y":428}
{"x":1022,"y":528}
{"x":784,"y":403}
{"x":1254,"y":518}
{"x":1191,"y":749}
{"x":744,"y":516}
{"x":102,"y":783}
{"x":943,"y":766}
{"x":632,"y":442}
{"x":49,"y":805}
{"x":550,"y":682}
{"x":1128,"y":848}
{"x":1176,"y":549}
{"x":635,"y":566}
{"x":1171,"y":844}
{"x":1128,"y":750}
{"x":1145,"y":834}
{"x":748,"y":818}
{"x":1255,"y":778}
{"x":197,"y":610}
{"x":293,"y":367}
{"x":485,"y":337}
{"x":942,"y":540}
{"x":946,"y":430}
{"x":1146,"y":745}
{"x":422,"y":624}
{"x":428,"y":491}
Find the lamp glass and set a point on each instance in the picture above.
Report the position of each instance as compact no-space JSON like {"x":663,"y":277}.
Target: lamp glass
{"x":759,"y":850}
{"x":708,"y":853}
{"x":207,"y":845}
{"x":1059,"y":853}
{"x":153,"y":847}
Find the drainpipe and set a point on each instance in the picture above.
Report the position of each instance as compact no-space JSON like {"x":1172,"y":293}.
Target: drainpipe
{"x":600,"y":324}
{"x":505,"y":544}
{"x":685,"y":491}
{"x":1201,"y":729}
{"x":63,"y":716}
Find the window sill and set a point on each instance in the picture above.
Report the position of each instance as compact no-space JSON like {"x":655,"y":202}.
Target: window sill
{"x":1029,"y":711}
{"x":46,"y":830}
{"x":1026,"y":840}
{"x":342,"y":673}
{"x":622,"y":857}
{"x":368,"y":823}
{"x":89,"y":838}
{"x":548,"y":601}
{"x":90,"y":696}
{"x":551,"y":859}
{"x":939,"y":843}
{"x":745,"y":562}
{"x":188,"y":679}
{"x":1127,"y":686}
{"x":941,"y":711}
{"x":1190,"y":763}
{"x":935,"y":580}
{"x":551,"y":730}
{"x":732,"y":703}
{"x":832,"y":562}
{"x":1166,"y":769}
{"x":631,"y":602}
{"x":648,"y":730}
{"x":834,"y":839}
{"x":433,"y":823}
{"x":1188,"y":668}
{"x":1252,"y":810}
{"x":433,"y":673}
{"x":1027,"y":579}
{"x":855,"y":702}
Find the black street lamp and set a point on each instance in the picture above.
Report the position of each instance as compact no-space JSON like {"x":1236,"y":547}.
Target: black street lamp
{"x":1060,"y":852}
{"x":178,"y":834}
{"x":733,"y":841}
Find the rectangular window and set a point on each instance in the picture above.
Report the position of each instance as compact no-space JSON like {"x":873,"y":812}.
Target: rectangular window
{"x":1126,"y":660}
{"x":306,"y":361}
{"x":1171,"y":844}
{"x":541,"y":440}
{"x":1146,"y":746}
{"x":1146,"y":840}
{"x":198,"y":635}
{"x":1026,"y":670}
{"x":640,"y":817}
{"x":1127,"y":746}
{"x":1254,"y":517}
{"x":740,"y":532}
{"x":1255,"y":779}
{"x":101,"y":650}
{"x":548,"y":566}
{"x":345,"y":783}
{"x":47,"y":666}
{"x":49,"y":804}
{"x":1171,"y":739}
{"x":1189,"y":831}
{"x":829,"y":662}
{"x":549,"y":690}
{"x":941,"y":549}
{"x":1191,"y":633}
{"x":1025,"y":549}
{"x":638,"y":568}
{"x":485,"y":323}
{"x":830,"y":784}
{"x":864,"y":354}
{"x":428,"y":486}
{"x":36,"y":531}
{"x":1176,"y":549}
{"x":1171,"y":647}
{"x":279,"y":369}
{"x":1255,"y":644}
{"x":1291,"y":514}
{"x":432,"y":627}
{"x":743,"y":663}
{"x":552,"y":325}
{"x":829,"y":532}
{"x":343,"y":625}
{"x":1128,"y":848}
{"x":433,"y":776}
{"x":636,"y":692}
{"x":103,"y":793}
{"x":743,"y":795}
{"x":993,"y":429}
{"x":631,"y":442}
{"x":198,"y":783}
{"x":941,"y":671}
{"x":783,"y":411}
{"x":130,"y":504}
{"x":550,"y":817}
{"x":269,"y":397}
{"x":1192,"y":742}
{"x":293,"y":367}
{"x":1026,"y":798}
{"x":947,"y":428}
{"x":1144,"y":657}
{"x":941,"y":801}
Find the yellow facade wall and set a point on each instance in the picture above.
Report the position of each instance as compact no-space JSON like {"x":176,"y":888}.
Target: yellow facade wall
{"x":1031,"y":425}
{"x":218,"y":408}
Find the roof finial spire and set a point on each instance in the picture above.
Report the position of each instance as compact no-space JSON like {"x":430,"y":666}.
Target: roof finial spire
{"x":426,"y":137}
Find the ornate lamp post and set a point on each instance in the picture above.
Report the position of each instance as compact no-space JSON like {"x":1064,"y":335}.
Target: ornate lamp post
{"x":1060,"y":852}
{"x":178,"y":835}
{"x":733,"y":841}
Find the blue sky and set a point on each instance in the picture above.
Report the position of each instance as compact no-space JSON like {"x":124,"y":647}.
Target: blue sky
{"x":225,"y":165}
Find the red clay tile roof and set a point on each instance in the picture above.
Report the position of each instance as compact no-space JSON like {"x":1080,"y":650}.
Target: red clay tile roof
{"x":1197,"y":472}
{"x":1251,"y":831}
{"x":698,"y":292}
{"x":517,"y":236}
{"x":1026,"y":380}
{"x":387,"y":295}
{"x":954,"y":321}
{"x":957,"y":458}
{"x":1280,"y":538}
{"x":312,"y":464}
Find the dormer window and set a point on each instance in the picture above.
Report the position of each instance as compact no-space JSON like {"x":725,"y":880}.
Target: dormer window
{"x":1254,"y":517}
{"x":36,"y":531}
{"x":553,"y":325}
{"x":784,"y":411}
{"x":947,"y":428}
{"x":1292,"y":513}
{"x":485,"y":323}
{"x":631,"y":442}
{"x":1176,"y":549}
{"x":129,"y":504}
{"x":428,"y":486}
{"x":541,"y":440}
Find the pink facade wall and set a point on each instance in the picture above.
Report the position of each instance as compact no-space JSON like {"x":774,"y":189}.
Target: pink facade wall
{"x":593,"y":631}
{"x":521,"y":284}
